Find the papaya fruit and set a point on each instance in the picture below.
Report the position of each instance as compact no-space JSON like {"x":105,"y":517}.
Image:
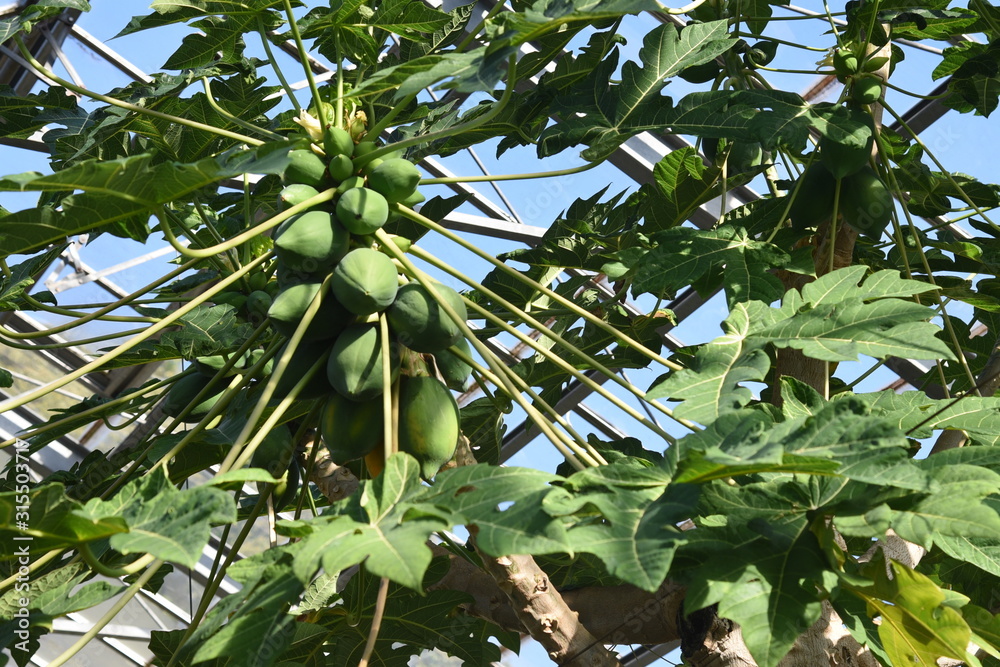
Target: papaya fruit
{"x":275,"y":451}
{"x":362,"y":211}
{"x":337,"y":141}
{"x":453,"y":370}
{"x":367,"y":166}
{"x":340,"y":168}
{"x":257,"y":281}
{"x":257,"y":304}
{"x":355,"y":365}
{"x":364,"y":148}
{"x":349,"y":428}
{"x":295,"y":194}
{"x":865,"y":202}
{"x":413,"y":199}
{"x":842,"y":160}
{"x":286,"y":276}
{"x":813,"y":201}
{"x":302,"y":359}
{"x":420,"y":323}
{"x":305,"y":167}
{"x":210,"y":365}
{"x":394,"y":179}
{"x":312,"y":242}
{"x":845,"y":64}
{"x":866,"y":90}
{"x":429,"y":422}
{"x":365,"y":281}
{"x":375,"y":462}
{"x":230,"y":298}
{"x":183,"y":392}
{"x":285,"y":491}
{"x":742,"y":155}
{"x":350,"y":183}
{"x":290,"y":305}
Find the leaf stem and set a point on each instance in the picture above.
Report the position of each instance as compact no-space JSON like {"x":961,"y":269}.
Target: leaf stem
{"x":388,"y":425}
{"x":108,"y":616}
{"x":383,"y":591}
{"x":556,"y":358}
{"x":508,"y":177}
{"x":132,"y":342}
{"x":293,"y":26}
{"x":99,"y":567}
{"x":274,"y":64}
{"x":246,"y":125}
{"x":517,"y":275}
{"x":41,"y":69}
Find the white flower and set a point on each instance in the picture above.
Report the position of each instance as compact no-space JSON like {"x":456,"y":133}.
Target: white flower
{"x":310,"y":125}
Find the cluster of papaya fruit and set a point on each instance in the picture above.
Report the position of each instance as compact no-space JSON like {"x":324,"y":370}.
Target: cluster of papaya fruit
{"x":865,"y":202}
{"x":329,"y":251}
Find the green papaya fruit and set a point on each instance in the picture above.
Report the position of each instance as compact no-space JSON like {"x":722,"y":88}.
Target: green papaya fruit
{"x":454,"y":371}
{"x":420,"y":323}
{"x":290,"y":305}
{"x":429,"y":422}
{"x":866,"y":90}
{"x":350,"y":183}
{"x":367,"y":165}
{"x":285,"y":491}
{"x":865,"y":202}
{"x":701,"y":73}
{"x":337,"y":141}
{"x":813,"y":201}
{"x":414,"y":198}
{"x":302,"y":359}
{"x":295,"y":194}
{"x":212,"y":364}
{"x":349,"y":428}
{"x":394,"y":179}
{"x":275,"y":451}
{"x":365,"y":281}
{"x":364,"y":148}
{"x":341,"y":168}
{"x":230,"y":298}
{"x":843,"y":160}
{"x":183,"y":392}
{"x":257,"y":304}
{"x":257,"y":280}
{"x":355,"y":365}
{"x":362,"y":211}
{"x":845,"y":64}
{"x":312,"y":242}
{"x":305,"y":167}
{"x":286,"y":276}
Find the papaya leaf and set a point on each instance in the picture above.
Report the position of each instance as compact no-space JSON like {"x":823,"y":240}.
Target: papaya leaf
{"x":603,"y":116}
{"x":54,"y":522}
{"x":170,"y":524}
{"x":916,"y":627}
{"x":118,"y":190}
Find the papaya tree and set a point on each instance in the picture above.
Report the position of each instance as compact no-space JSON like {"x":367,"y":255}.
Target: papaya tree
{"x":319,"y":360}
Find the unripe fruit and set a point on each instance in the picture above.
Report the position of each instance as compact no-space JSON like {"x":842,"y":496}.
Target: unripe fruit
{"x":351,"y":429}
{"x":365,"y":281}
{"x":257,"y":280}
{"x":337,"y":141}
{"x":302,"y":359}
{"x":291,"y":303}
{"x":183,"y":392}
{"x":428,"y":422}
{"x":341,"y":167}
{"x":420,"y":323}
{"x":865,"y":202}
{"x":362,"y":211}
{"x":305,"y":167}
{"x":701,"y":73}
{"x":363,"y":148}
{"x":454,"y":371}
{"x":866,"y":90}
{"x":395,"y":179}
{"x":311,"y":242}
{"x":350,"y":184}
{"x":813,"y":201}
{"x":845,"y":64}
{"x":355,"y":365}
{"x":257,"y":304}
{"x":295,"y":194}
{"x":843,"y":160}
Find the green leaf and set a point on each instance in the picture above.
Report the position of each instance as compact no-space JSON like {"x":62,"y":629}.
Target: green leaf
{"x":28,"y":16}
{"x":22,"y":277}
{"x":379,"y":535}
{"x":117,"y":190}
{"x":54,"y":521}
{"x":170,"y":524}
{"x":603,"y":116}
{"x":684,"y":255}
{"x":916,"y":627}
{"x":830,"y":320}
